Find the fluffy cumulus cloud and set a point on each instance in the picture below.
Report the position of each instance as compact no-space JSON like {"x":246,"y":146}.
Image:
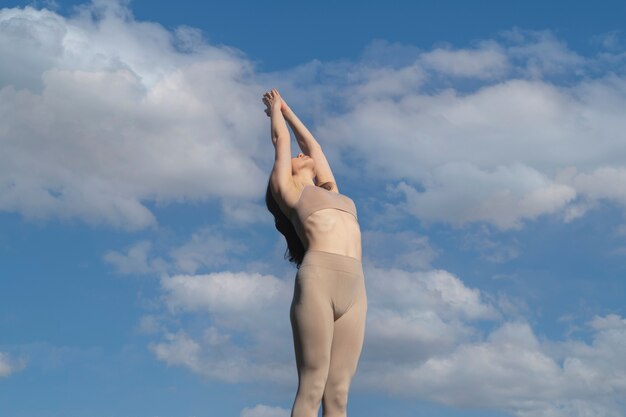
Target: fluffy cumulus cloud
{"x":101,"y":113}
{"x":247,"y":337}
{"x":486,"y":133}
{"x":247,"y":332}
{"x":223,"y":292}
{"x":413,"y":315}
{"x":512,"y":369}
{"x":425,"y":339}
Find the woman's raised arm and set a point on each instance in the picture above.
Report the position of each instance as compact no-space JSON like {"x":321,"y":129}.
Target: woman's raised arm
{"x":303,"y":136}
{"x":281,"y":173}
{"x":311,"y":147}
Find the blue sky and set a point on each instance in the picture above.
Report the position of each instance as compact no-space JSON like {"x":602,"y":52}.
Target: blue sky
{"x":141,"y":275}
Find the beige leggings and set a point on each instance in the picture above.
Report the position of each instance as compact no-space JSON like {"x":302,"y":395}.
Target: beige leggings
{"x":328,"y":323}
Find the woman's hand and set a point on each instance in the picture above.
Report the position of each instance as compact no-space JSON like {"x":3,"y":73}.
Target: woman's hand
{"x":273,"y":101}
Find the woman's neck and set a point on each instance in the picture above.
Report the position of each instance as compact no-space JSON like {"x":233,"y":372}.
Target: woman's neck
{"x":303,"y":182}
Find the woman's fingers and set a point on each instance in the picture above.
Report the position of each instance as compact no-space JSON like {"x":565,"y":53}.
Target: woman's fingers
{"x":270,"y":95}
{"x":272,"y":99}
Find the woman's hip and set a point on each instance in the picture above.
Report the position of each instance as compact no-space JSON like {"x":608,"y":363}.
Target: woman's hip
{"x":332,"y":262}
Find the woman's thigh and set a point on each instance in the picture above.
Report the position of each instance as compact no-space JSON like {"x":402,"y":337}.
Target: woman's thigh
{"x":312,"y":320}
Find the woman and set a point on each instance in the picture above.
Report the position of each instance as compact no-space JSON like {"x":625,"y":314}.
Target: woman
{"x":324,"y":241}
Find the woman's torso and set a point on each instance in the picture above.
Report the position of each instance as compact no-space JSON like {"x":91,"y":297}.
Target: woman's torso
{"x":326,"y":221}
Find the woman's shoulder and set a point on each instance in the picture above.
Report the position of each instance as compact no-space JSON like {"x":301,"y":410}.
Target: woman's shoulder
{"x":287,"y":195}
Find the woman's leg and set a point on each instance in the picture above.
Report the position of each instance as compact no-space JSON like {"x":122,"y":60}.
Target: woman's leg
{"x":348,"y":335}
{"x":312,"y":325}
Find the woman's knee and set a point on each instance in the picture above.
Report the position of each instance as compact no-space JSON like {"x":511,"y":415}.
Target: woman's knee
{"x":336,"y":397}
{"x":311,"y":389}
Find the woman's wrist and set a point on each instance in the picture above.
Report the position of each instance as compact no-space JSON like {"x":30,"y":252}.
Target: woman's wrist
{"x":286,"y":110}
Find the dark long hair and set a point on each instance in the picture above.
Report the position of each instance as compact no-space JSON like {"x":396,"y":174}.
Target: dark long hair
{"x":295,"y":248}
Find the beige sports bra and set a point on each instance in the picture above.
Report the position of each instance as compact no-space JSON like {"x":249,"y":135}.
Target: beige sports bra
{"x":314,"y":198}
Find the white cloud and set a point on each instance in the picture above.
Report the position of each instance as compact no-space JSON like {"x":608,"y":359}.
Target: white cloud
{"x":245,"y":213}
{"x":206,"y":249}
{"x":492,"y":154}
{"x":136,"y":260}
{"x":222,"y":292}
{"x":603,"y":183}
{"x":487,"y":61}
{"x":540,"y":53}
{"x":150,"y":324}
{"x":5,"y":368}
{"x":261,"y":410}
{"x":503,"y":197}
{"x":9,"y":365}
{"x":422,"y":341}
{"x":237,"y":306}
{"x":101,"y":113}
{"x":217,"y":357}
{"x":436,"y":291}
{"x":412,"y":314}
{"x":122,"y":112}
{"x":512,"y":370}
{"x":178,"y":350}
{"x":510,"y":353}
{"x":387,"y":82}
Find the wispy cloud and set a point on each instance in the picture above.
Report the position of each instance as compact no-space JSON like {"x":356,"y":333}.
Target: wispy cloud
{"x":9,"y":365}
{"x":261,"y":410}
{"x":208,"y":248}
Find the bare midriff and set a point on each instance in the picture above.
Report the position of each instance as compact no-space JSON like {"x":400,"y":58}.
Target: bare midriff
{"x":332,"y":230}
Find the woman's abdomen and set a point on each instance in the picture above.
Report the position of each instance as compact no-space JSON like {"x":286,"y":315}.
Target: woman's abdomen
{"x":334,"y":231}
